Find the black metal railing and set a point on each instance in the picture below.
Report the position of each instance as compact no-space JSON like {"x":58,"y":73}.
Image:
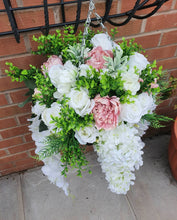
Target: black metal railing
{"x":128,"y":15}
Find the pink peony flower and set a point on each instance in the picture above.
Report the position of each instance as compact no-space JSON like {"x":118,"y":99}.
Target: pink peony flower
{"x":154,"y":85}
{"x":106,"y":112}
{"x":97,"y":54}
{"x":53,"y":60}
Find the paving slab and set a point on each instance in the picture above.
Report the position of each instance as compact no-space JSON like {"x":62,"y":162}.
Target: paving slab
{"x":154,"y":195}
{"x":30,"y":196}
{"x":11,"y":206}
{"x":91,"y":200}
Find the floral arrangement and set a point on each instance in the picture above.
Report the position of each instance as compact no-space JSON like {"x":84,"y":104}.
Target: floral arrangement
{"x":106,"y":98}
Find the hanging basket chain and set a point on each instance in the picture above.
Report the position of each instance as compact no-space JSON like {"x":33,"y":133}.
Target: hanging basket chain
{"x":92,"y":9}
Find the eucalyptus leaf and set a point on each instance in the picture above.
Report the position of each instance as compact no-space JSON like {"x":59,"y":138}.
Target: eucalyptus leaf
{"x":30,"y":83}
{"x":42,"y":127}
{"x":29,"y":99}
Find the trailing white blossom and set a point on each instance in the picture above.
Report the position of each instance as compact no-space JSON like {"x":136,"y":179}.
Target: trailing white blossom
{"x":52,"y":169}
{"x":120,"y":153}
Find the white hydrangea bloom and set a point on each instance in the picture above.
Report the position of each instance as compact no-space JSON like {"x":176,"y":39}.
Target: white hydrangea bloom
{"x":52,"y":169}
{"x":120,"y":153}
{"x":147,"y":103}
{"x":142,"y":126}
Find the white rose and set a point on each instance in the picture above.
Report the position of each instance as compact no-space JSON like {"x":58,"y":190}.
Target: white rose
{"x":86,"y":135}
{"x":131,"y":81}
{"x":38,"y":108}
{"x":63,"y":77}
{"x":57,"y":95}
{"x":103,"y":41}
{"x":138,"y":60}
{"x":131,"y":112}
{"x":54,"y":110}
{"x":84,"y":68}
{"x":80,"y":101}
{"x":146,"y":102}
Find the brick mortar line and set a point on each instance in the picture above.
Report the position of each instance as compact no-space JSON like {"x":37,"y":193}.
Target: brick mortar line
{"x":17,"y":120}
{"x":119,"y":6}
{"x":9,"y":117}
{"x":35,"y":166}
{"x":27,"y":42}
{"x":168,"y":58}
{"x":13,"y":104}
{"x":17,"y":126}
{"x":18,"y":153}
{"x":8,"y":98}
{"x":147,"y":33}
{"x":160,"y":40}
{"x":176,"y":52}
{"x":173,"y":4}
{"x":56,"y":14}
{"x":143,"y":26}
{"x":20,"y":114}
{"x":3,"y":58}
{"x":170,"y":11}
{"x":14,"y":117}
{"x":23,"y":151}
{"x":6,"y":139}
{"x":162,"y":46}
{"x":12,"y":90}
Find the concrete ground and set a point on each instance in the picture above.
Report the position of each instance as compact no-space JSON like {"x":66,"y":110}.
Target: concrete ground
{"x":30,"y":196}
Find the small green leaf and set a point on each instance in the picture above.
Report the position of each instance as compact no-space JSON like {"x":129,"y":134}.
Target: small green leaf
{"x":42,"y":127}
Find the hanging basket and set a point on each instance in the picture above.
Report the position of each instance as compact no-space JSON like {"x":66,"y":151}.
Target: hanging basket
{"x":172,"y":150}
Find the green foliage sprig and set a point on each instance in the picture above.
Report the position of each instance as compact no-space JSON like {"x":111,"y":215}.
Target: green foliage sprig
{"x":63,"y":141}
{"x":104,"y":84}
{"x":72,"y":154}
{"x":46,"y":89}
{"x":129,"y":47}
{"x":156,"y":120}
{"x":58,"y":43}
{"x":69,"y":120}
{"x":149,"y":74}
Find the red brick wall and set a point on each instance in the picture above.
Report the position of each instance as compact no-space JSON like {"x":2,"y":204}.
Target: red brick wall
{"x":157,"y":34}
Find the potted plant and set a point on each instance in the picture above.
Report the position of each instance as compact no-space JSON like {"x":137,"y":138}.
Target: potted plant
{"x":172,"y":150}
